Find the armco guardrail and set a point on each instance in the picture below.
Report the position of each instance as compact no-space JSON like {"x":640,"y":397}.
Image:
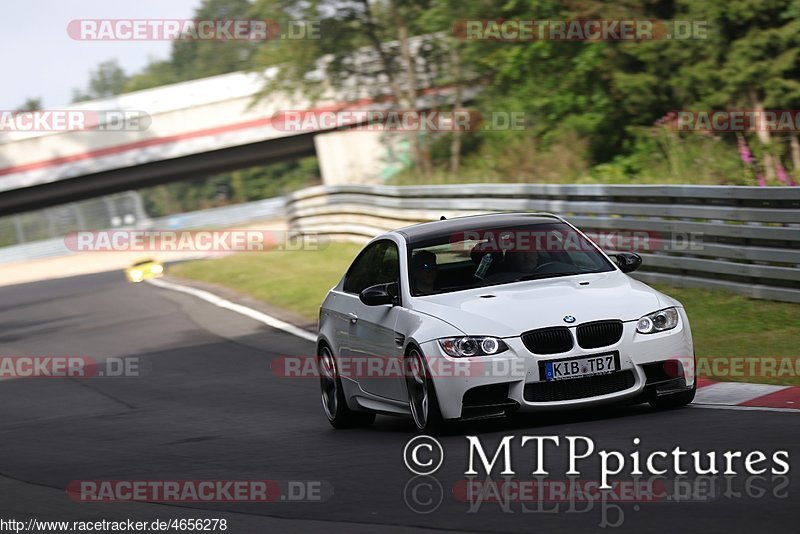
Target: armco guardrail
{"x":221,"y":217}
{"x":744,"y":239}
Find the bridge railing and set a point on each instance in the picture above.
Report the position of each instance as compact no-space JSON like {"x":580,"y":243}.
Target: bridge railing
{"x":744,"y":239}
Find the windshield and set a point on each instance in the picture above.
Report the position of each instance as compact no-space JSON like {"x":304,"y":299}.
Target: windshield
{"x":504,"y":255}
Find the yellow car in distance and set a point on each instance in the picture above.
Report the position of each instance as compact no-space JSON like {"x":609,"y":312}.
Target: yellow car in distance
{"x":144,"y":269}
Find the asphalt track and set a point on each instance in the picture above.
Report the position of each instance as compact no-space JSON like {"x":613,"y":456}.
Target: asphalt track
{"x":207,"y":406}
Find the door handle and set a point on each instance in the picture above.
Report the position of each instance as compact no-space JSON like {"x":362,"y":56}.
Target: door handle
{"x":353,"y":317}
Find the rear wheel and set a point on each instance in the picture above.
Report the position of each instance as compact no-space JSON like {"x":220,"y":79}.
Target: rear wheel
{"x":421,"y":394}
{"x":676,"y":400}
{"x":334,"y":404}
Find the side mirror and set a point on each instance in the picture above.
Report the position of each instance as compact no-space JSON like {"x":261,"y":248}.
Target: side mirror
{"x":380,"y":294}
{"x":627,"y":261}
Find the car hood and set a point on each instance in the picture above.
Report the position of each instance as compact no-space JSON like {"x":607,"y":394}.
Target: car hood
{"x":521,"y":306}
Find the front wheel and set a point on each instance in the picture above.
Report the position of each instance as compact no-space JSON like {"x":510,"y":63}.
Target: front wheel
{"x":335,"y":405}
{"x":676,"y":400}
{"x":421,"y":394}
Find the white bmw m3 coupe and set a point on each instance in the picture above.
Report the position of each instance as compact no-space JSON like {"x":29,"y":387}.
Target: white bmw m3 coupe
{"x":482,"y":316}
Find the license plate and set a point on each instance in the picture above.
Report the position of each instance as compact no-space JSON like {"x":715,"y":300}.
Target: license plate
{"x":585,"y":366}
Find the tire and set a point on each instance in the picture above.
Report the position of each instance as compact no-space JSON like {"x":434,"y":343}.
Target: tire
{"x":676,"y":400}
{"x":334,"y":403}
{"x":422,"y":399}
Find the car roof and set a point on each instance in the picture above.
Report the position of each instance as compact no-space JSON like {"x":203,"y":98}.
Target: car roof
{"x":422,"y":232}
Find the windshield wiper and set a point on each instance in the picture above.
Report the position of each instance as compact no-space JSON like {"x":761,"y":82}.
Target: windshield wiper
{"x":540,"y":276}
{"x":532,"y":276}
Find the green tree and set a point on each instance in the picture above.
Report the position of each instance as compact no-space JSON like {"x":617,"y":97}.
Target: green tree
{"x":749,"y":59}
{"x":31,"y":104}
{"x":108,"y":79}
{"x":366,"y":49}
{"x":191,"y":58}
{"x":591,"y":104}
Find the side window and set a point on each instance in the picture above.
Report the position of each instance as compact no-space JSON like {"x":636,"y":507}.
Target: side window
{"x":377,"y":264}
{"x":581,"y":259}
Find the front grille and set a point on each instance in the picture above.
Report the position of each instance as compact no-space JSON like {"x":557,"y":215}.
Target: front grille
{"x":599,"y":334}
{"x":578,"y":388}
{"x":548,"y":340}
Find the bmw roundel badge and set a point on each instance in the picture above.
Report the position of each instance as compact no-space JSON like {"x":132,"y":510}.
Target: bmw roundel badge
{"x":569,"y":319}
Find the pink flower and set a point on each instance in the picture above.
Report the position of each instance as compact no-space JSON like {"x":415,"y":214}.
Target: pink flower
{"x":744,"y":152}
{"x":761,"y":181}
{"x":781,"y":172}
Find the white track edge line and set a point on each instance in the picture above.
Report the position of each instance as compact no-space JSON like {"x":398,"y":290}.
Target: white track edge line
{"x":237,"y":308}
{"x":744,"y":408}
{"x":735,"y":393}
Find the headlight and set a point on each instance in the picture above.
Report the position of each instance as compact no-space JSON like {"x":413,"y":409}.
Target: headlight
{"x":136,"y":273}
{"x":461,"y":347}
{"x":658,"y":321}
{"x":156,"y":269}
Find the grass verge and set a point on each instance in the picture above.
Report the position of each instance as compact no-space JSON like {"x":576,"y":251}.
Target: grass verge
{"x":294,"y":280}
{"x":736,"y":338}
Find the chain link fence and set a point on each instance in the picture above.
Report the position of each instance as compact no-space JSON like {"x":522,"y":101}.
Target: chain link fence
{"x":40,"y":234}
{"x":113,"y":211}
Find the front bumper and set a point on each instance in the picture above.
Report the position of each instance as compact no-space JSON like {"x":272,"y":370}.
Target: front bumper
{"x":142,"y":276}
{"x":490,"y":385}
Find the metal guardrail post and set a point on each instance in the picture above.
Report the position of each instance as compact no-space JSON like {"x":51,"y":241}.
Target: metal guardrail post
{"x":18,"y":229}
{"x":81,"y":221}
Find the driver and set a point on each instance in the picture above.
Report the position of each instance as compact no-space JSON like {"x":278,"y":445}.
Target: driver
{"x":423,"y":271}
{"x":524,"y":262}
